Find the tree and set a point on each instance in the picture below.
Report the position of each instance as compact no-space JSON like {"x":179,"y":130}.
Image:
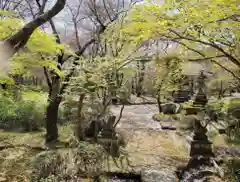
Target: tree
{"x":168,"y":75}
{"x":18,"y":40}
{"x":195,"y":25}
{"x":39,"y":50}
{"x":99,"y":14}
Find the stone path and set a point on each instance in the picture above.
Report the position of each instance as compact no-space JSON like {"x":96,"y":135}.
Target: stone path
{"x":150,"y":148}
{"x":137,"y":117}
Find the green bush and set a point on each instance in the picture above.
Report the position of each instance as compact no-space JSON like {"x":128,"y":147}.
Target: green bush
{"x":233,"y":104}
{"x":220,"y":107}
{"x":22,"y":115}
{"x":224,"y":107}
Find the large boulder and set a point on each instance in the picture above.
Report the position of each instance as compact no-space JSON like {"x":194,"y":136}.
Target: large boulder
{"x":171,"y":108}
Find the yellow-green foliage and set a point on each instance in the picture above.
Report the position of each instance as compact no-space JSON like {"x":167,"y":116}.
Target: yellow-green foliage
{"x":196,"y":19}
{"x":234,"y":103}
{"x":26,"y":114}
{"x":162,"y":116}
{"x":187,"y":104}
{"x":224,"y":105}
{"x":39,"y":51}
{"x":168,"y":73}
{"x":219,"y":105}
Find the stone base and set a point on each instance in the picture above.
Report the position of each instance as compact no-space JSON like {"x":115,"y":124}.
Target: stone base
{"x":181,"y":100}
{"x":111,"y":145}
{"x":151,"y":175}
{"x":201,"y":149}
{"x":192,"y":110}
{"x":182,"y":96}
{"x":200,"y":99}
{"x":195,"y":162}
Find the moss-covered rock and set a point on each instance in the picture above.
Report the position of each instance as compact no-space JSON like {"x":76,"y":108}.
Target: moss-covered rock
{"x":166,"y":117}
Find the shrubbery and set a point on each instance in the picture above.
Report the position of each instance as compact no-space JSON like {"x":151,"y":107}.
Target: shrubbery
{"x":23,"y":115}
{"x":26,"y":114}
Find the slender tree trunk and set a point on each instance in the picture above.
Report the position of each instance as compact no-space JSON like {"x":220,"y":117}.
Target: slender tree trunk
{"x":133,"y":91}
{"x":141,"y":75}
{"x":80,"y":105}
{"x":104,"y":95}
{"x":159,"y":100}
{"x":16,"y":91}
{"x":79,"y":133}
{"x":159,"y":103}
{"x":220,"y":93}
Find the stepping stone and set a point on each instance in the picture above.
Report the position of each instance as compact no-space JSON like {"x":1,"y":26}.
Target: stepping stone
{"x":168,"y":125}
{"x":151,"y":175}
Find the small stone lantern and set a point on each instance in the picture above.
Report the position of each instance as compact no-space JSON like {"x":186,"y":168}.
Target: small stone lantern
{"x":108,"y":137}
{"x":200,"y":97}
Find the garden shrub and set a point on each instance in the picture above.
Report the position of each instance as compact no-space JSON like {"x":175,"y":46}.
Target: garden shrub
{"x":22,"y":115}
{"x":26,"y":114}
{"x":233,"y":104}
{"x":220,"y":107}
{"x":68,"y":109}
{"x":224,"y":108}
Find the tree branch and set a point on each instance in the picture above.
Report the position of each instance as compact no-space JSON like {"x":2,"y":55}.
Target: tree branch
{"x":120,"y":116}
{"x":19,"y":39}
{"x":229,"y":56}
{"x":226,"y":69}
{"x":47,"y":78}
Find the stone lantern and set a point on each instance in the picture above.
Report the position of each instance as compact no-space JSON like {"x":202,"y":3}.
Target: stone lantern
{"x":200,"y":145}
{"x":200,"y":98}
{"x":108,"y":137}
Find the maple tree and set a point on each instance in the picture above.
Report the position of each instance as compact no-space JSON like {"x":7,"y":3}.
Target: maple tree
{"x":39,"y":51}
{"x":19,"y":38}
{"x":195,"y":25}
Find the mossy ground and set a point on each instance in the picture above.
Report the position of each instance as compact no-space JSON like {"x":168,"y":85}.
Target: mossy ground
{"x":18,"y":149}
{"x":144,"y":149}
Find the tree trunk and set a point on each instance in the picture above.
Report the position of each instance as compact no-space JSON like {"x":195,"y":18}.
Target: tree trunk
{"x":159,"y":103}
{"x":133,"y":90}
{"x":220,"y":93}
{"x":159,"y":100}
{"x":51,"y":121}
{"x":141,"y":75}
{"x":12,"y":44}
{"x":54,"y":100}
{"x":80,"y":105}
